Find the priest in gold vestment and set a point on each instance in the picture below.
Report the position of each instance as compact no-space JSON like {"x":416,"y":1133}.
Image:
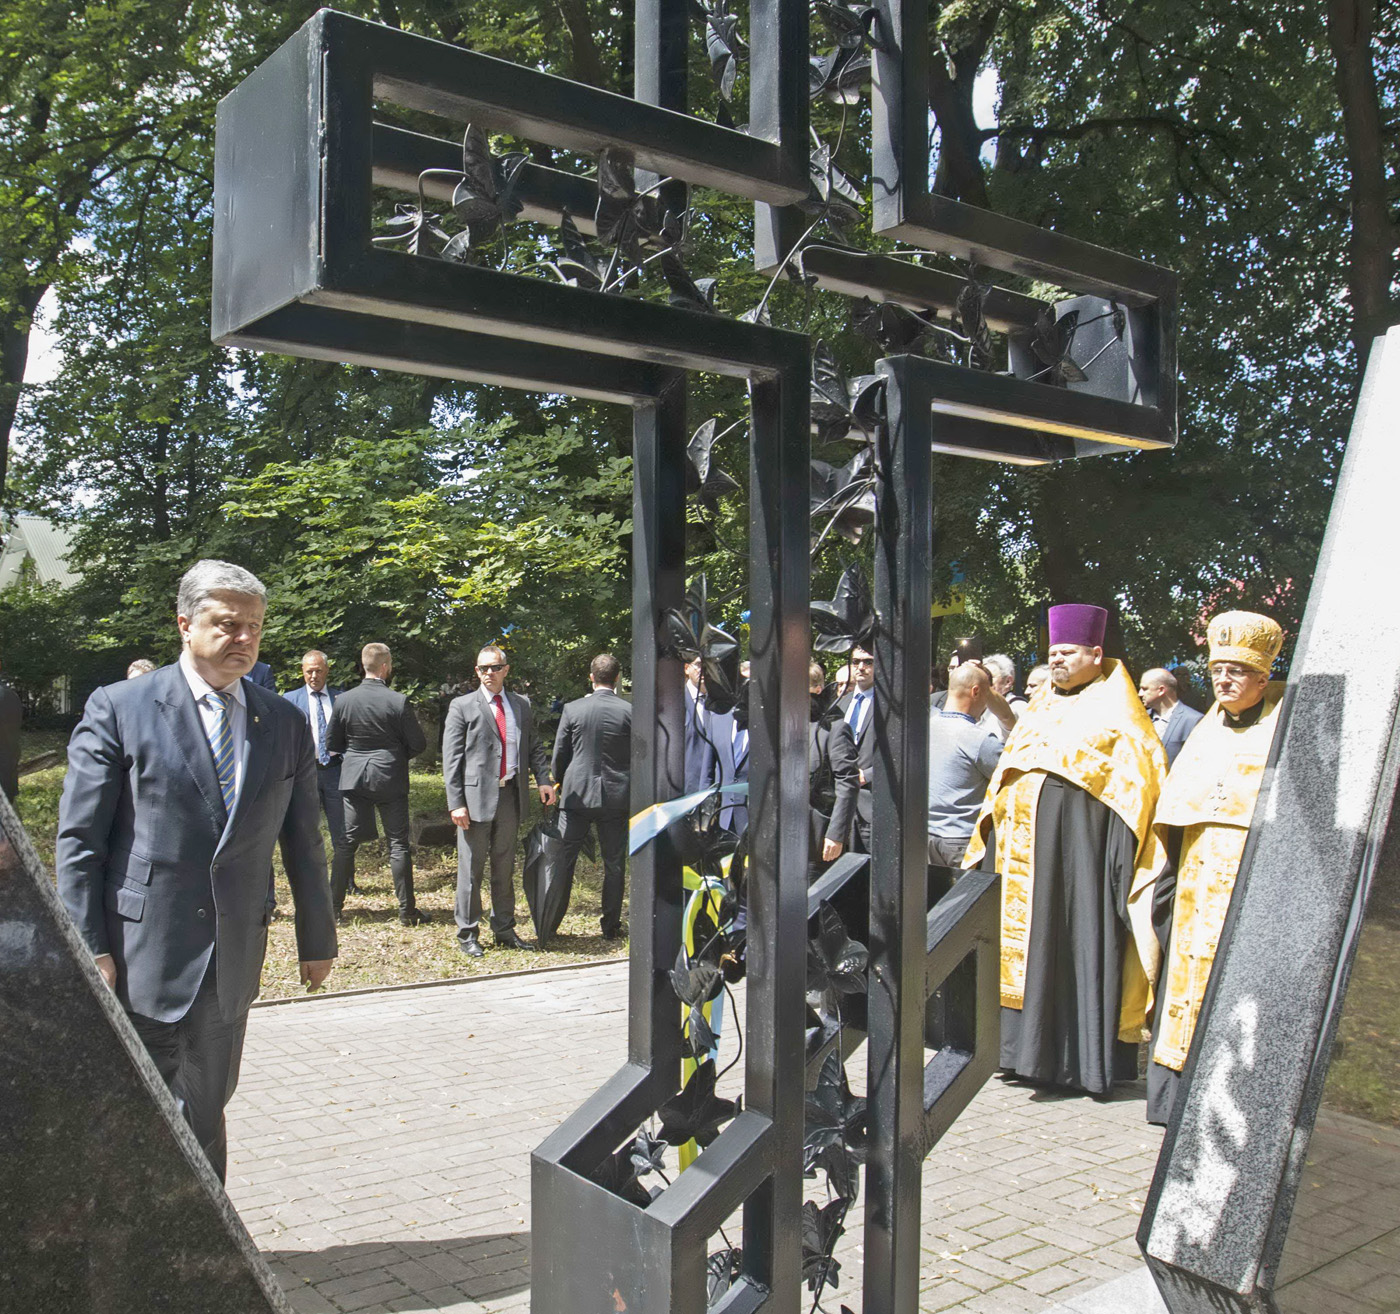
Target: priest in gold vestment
{"x":1069,"y":813}
{"x":1202,"y":823}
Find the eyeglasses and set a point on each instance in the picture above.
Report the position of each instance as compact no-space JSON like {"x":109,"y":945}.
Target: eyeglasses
{"x":491,"y":670}
{"x":1231,"y":672}
{"x":863,"y":661}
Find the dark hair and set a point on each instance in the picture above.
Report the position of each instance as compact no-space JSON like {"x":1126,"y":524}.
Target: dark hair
{"x":604,"y":669}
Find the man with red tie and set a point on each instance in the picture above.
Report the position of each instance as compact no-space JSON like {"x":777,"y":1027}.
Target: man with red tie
{"x":488,"y":744}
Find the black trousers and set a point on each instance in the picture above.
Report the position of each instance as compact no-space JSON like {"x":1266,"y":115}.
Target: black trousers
{"x":198,"y":1059}
{"x":612,"y":847}
{"x":359,"y":827}
{"x":342,"y":852}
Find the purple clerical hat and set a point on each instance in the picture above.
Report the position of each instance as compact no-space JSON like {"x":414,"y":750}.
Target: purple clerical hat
{"x":1078,"y":622}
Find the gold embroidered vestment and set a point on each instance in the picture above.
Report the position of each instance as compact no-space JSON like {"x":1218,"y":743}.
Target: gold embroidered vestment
{"x":1101,"y":740}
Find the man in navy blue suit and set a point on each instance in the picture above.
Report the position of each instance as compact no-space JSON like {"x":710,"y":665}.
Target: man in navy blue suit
{"x":314,"y":700}
{"x":1171,"y":718}
{"x":180,"y":785}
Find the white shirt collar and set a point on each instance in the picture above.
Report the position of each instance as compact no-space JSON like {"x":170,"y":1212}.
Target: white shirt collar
{"x":199,"y":686}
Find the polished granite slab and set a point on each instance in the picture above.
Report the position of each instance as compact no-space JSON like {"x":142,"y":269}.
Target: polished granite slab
{"x":107,"y":1204}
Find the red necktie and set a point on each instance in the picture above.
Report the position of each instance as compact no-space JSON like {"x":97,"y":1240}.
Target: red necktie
{"x":501,"y":730}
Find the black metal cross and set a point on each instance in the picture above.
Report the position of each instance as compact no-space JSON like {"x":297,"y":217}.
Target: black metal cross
{"x":298,"y":154}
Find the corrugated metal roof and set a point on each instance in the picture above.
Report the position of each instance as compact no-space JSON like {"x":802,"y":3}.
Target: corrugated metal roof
{"x":44,"y":543}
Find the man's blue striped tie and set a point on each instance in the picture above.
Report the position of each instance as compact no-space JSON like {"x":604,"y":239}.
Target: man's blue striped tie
{"x":221,"y":742}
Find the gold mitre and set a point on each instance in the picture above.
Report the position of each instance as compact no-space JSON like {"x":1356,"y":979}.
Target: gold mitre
{"x":1245,"y":637}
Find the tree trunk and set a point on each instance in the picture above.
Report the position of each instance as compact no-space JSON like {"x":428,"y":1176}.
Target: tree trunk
{"x":14,"y":357}
{"x":952,"y":76}
{"x":1374,"y":233}
{"x":587,"y":62}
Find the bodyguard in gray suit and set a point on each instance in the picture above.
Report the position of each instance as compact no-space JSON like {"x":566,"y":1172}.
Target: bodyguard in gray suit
{"x":593,"y":767}
{"x":488,"y":744}
{"x":179,"y":786}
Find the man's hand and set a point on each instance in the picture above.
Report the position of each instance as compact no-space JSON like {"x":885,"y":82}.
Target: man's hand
{"x":107,"y":965}
{"x":831,"y":850}
{"x":548,"y":794}
{"x":460,"y":817}
{"x":863,"y":780}
{"x":314,"y":971}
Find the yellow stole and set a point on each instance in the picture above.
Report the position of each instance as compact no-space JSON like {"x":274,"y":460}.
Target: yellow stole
{"x":1210,"y":794}
{"x":1102,"y":740}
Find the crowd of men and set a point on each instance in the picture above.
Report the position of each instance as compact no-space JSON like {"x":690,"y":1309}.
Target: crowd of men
{"x":1116,"y":874}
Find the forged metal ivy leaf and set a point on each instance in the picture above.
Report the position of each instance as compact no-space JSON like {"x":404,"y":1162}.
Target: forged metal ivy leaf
{"x":724,"y":45}
{"x":695,"y":983}
{"x":625,"y":219}
{"x":699,"y":1039}
{"x":848,"y":619}
{"x":459,"y":247}
{"x":834,"y":961}
{"x":842,"y":1172}
{"x":972,"y":317}
{"x":646,"y":1155}
{"x":821,"y":1229}
{"x":686,"y":292}
{"x":486,"y":196}
{"x":617,"y":1174}
{"x":833,"y":1116}
{"x":892,"y":327}
{"x":820,"y":1032}
{"x":697,"y":1113}
{"x":703,"y":842}
{"x":846,"y":493}
{"x":701,"y":477}
{"x":578,"y":266}
{"x":1120,"y":320}
{"x":1052,"y":343}
{"x":829,"y":401}
{"x":722,"y":1271}
{"x":852,"y":24}
{"x":832,"y":194}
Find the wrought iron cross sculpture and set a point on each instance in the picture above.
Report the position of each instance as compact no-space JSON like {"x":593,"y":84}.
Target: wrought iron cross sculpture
{"x":298,"y":269}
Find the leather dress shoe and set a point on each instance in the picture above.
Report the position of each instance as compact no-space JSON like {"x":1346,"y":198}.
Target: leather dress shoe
{"x":412,"y":917}
{"x":470,"y":946}
{"x":510,"y":940}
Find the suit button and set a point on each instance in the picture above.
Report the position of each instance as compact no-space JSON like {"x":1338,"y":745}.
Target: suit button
{"x":199,"y":912}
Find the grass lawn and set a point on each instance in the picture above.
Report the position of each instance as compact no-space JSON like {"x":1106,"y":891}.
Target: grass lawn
{"x":374,"y":949}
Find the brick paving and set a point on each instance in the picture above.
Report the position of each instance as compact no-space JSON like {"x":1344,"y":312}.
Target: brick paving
{"x":379,"y":1154}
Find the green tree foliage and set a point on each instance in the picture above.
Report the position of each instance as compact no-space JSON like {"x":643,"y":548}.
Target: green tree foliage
{"x":1252,"y":147}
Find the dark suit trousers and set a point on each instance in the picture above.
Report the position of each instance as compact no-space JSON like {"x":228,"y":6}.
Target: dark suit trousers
{"x":198,"y":1059}
{"x":359,"y":827}
{"x":612,"y":846}
{"x":342,"y":852}
{"x":488,"y":844}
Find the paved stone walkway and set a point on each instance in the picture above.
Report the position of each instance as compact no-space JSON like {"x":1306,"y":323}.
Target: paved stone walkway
{"x":379,"y":1153}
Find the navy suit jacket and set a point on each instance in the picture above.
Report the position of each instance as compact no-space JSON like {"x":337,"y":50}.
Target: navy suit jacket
{"x":149,"y":869}
{"x":301,"y":700}
{"x":1184,"y":720}
{"x":728,"y":767}
{"x":262,"y":675}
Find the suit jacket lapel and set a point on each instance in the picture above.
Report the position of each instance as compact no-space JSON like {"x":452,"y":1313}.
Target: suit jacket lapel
{"x":176,"y":702}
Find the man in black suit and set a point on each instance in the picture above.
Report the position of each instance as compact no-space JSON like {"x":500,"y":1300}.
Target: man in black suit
{"x":179,"y":785}
{"x":858,"y":713}
{"x":375,"y":729}
{"x":11,"y":714}
{"x":315,"y":700}
{"x":488,"y":745}
{"x":833,"y":796}
{"x":262,"y":676}
{"x":699,"y":750}
{"x":593,"y":765}
{"x":1171,"y":718}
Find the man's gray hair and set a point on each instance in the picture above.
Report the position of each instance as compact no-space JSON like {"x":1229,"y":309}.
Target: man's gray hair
{"x":1001,"y":666}
{"x":207,"y":577}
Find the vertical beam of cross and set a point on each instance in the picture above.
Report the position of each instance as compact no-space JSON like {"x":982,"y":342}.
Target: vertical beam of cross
{"x":899,"y":859}
{"x":658,"y":722}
